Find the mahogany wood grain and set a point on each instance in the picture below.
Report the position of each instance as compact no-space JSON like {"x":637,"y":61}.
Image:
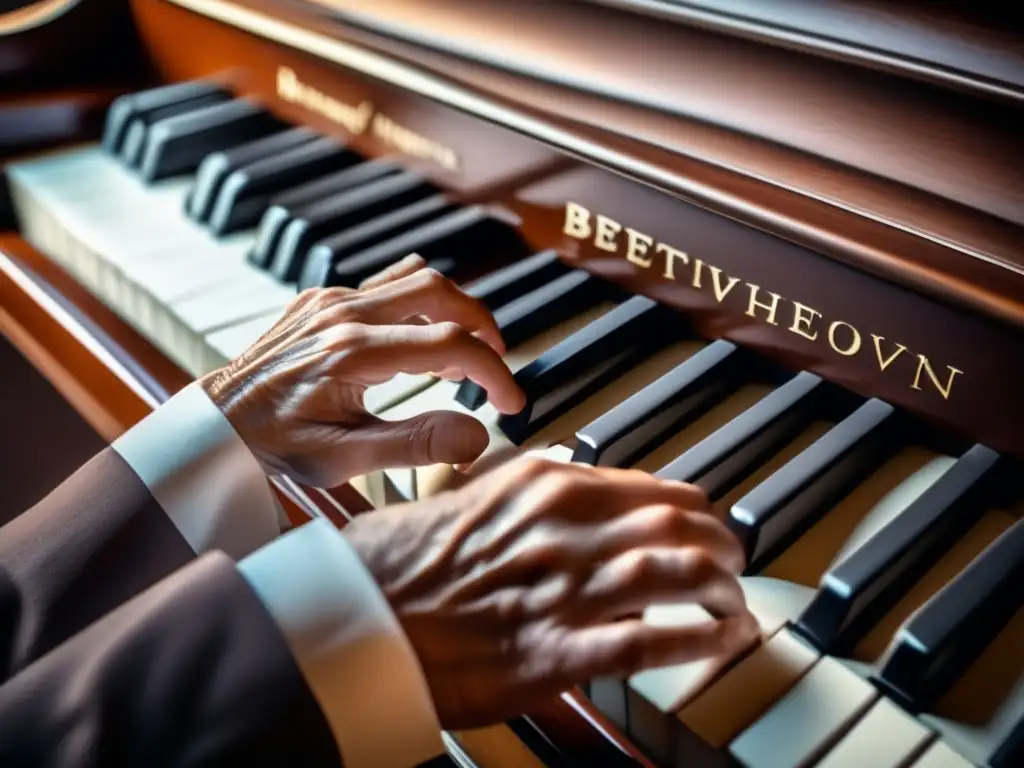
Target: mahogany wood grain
{"x":931,"y":297}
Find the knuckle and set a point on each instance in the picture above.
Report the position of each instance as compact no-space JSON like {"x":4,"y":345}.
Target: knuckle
{"x":639,"y":567}
{"x":703,"y":567}
{"x":448,"y":334}
{"x":509,"y":607}
{"x":700,"y":501}
{"x":559,"y":487}
{"x":668,"y":522}
{"x":431,"y":279}
{"x":536,"y":466}
{"x":304,"y":297}
{"x":349,"y":336}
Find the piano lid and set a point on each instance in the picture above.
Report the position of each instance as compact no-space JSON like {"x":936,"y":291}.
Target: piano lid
{"x":968,"y":45}
{"x":890,"y":127}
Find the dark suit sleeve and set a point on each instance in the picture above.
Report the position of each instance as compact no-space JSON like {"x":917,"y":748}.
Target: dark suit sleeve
{"x":180,"y":482}
{"x":97,"y":540}
{"x":192,"y":672}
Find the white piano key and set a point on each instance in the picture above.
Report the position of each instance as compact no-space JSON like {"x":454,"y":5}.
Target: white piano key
{"x":941,"y":755}
{"x":560,"y":453}
{"x":441,"y":396}
{"x":815,"y":713}
{"x":398,"y":484}
{"x":932,"y":467}
{"x":773,"y":602}
{"x":971,"y":544}
{"x":717,"y":417}
{"x":981,"y":708}
{"x":745,"y":692}
{"x":886,"y":737}
{"x":229,"y":343}
{"x":875,"y":501}
{"x":395,"y":390}
{"x":438,"y":477}
{"x":251,"y":295}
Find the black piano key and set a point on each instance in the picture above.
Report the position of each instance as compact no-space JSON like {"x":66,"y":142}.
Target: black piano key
{"x":943,"y":638}
{"x":649,"y":728}
{"x":444,"y":265}
{"x":246,"y":193}
{"x":1010,"y":751}
{"x":341,"y":260}
{"x":283,"y":207}
{"x":725,"y":458}
{"x":571,"y":371}
{"x":608,"y":695}
{"x":461,"y":235}
{"x":860,"y":589}
{"x":538,"y":311}
{"x":146,"y":106}
{"x":778,"y":510}
{"x":543,"y":308}
{"x":341,"y":212}
{"x":643,"y":421}
{"x":515,"y":280}
{"x":178,"y":144}
{"x":216,"y":168}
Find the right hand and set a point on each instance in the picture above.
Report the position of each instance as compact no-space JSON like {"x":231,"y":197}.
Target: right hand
{"x":530,"y":580}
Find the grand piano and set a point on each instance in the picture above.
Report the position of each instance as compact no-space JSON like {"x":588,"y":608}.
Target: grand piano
{"x":772,"y":248}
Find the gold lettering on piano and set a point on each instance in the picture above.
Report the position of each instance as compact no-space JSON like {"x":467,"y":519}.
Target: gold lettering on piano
{"x":671,"y":255}
{"x":359,"y":118}
{"x":754,"y":304}
{"x":353,"y":118}
{"x":758,"y":302}
{"x":413,"y":144}
{"x":803,"y":316}
{"x":637,"y":244}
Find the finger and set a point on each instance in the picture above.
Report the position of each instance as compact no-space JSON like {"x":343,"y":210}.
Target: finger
{"x":584,"y":494}
{"x":640,"y":578}
{"x":385,"y":350}
{"x":622,"y":649}
{"x":411,"y":263}
{"x":437,"y":437}
{"x":430,"y":294}
{"x":667,"y":525}
{"x":641,"y":489}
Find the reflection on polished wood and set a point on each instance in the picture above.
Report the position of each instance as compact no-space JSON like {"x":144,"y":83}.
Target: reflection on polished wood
{"x":96,"y":361}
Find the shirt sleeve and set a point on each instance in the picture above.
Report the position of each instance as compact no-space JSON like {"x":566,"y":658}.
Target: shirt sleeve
{"x":202,"y":475}
{"x":350,"y":647}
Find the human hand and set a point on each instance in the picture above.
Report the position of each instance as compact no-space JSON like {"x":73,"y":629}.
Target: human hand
{"x":296,"y":396}
{"x":529,"y":580}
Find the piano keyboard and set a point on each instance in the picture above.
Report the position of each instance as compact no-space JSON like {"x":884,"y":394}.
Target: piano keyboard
{"x":885,"y":567}
{"x":199,"y":217}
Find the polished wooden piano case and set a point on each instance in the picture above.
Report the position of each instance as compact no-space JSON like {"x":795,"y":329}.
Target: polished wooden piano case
{"x":837,"y":187}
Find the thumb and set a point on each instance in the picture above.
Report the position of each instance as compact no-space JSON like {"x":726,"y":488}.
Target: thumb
{"x":435,"y":437}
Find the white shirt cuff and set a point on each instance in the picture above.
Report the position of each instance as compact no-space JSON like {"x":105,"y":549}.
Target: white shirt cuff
{"x":202,"y":475}
{"x":351,"y":649}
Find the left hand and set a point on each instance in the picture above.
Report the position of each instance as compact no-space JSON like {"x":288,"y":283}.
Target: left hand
{"x":296,"y":396}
